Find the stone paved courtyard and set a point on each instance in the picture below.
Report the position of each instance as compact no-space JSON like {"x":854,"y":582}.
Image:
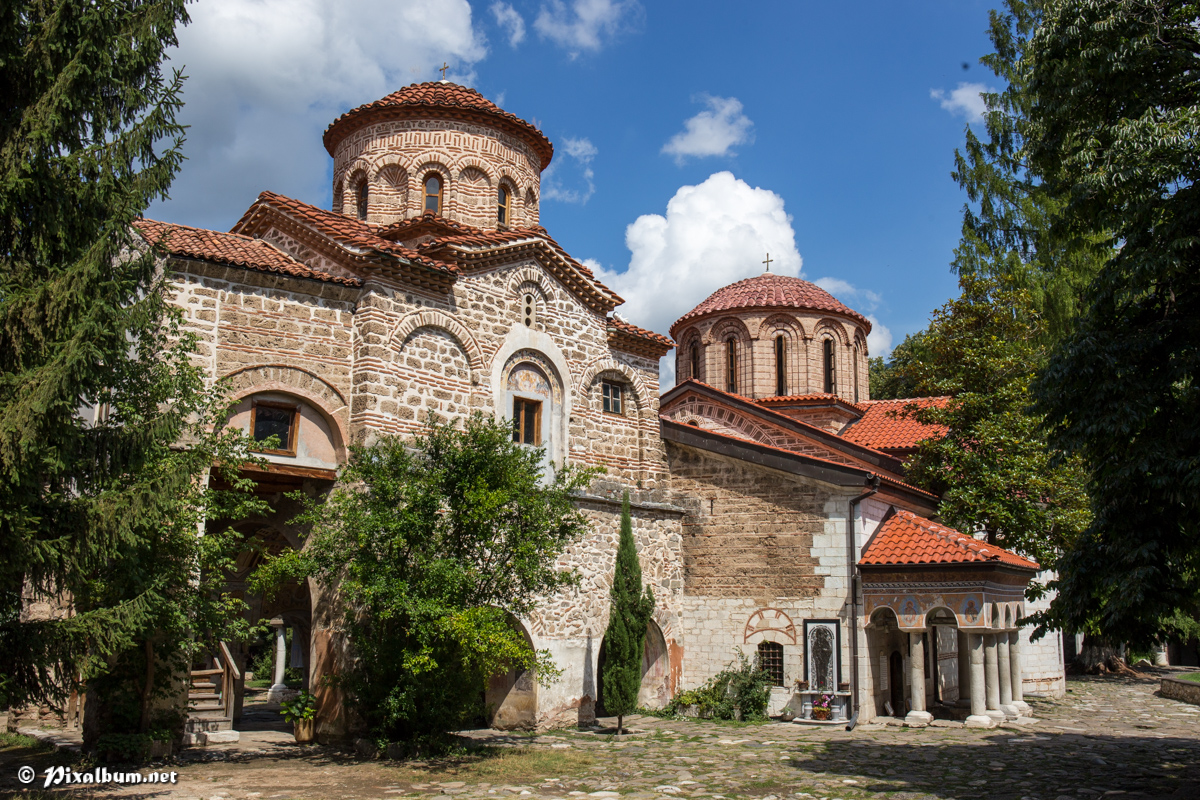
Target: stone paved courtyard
{"x":1109,"y":737}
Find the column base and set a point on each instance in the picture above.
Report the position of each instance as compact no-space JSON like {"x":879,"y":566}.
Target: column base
{"x":918,"y":719}
{"x":1022,"y":707}
{"x":1010,"y":712}
{"x":275,"y":693}
{"x":979,"y":721}
{"x":996,"y":714}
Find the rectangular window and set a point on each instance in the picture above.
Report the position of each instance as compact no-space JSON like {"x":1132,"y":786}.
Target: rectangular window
{"x":770,"y":661}
{"x":612,"y":397}
{"x":830,"y":368}
{"x":274,"y":419}
{"x":527,"y":421}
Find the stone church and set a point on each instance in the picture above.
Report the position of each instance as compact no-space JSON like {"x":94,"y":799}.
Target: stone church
{"x":770,"y":505}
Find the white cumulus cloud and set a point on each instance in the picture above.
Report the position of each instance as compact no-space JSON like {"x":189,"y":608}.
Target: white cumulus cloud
{"x":578,"y":184}
{"x":586,"y":24}
{"x":713,"y":234}
{"x":509,"y":20}
{"x":965,"y":101}
{"x":851,"y":295}
{"x":712,"y":132}
{"x":879,"y":340}
{"x":265,"y":77}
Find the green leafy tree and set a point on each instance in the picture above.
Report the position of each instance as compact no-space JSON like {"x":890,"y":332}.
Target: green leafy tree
{"x":891,"y":380}
{"x":430,"y":545}
{"x":629,"y":615}
{"x":1111,"y":89}
{"x":992,"y":467}
{"x":99,"y":507}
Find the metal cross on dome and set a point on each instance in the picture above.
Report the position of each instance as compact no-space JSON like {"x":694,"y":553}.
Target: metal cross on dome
{"x":768,"y":262}
{"x":443,"y":68}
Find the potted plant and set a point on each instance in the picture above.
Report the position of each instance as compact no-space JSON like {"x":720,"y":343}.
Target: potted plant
{"x":822,"y":707}
{"x":301,"y":711}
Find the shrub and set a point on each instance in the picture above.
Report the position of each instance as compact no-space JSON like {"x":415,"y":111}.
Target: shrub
{"x":740,"y":691}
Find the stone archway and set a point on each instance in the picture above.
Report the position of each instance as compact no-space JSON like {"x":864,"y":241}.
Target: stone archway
{"x":656,"y":669}
{"x":511,"y":697}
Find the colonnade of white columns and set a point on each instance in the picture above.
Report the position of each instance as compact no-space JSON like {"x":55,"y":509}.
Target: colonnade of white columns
{"x":989,"y":673}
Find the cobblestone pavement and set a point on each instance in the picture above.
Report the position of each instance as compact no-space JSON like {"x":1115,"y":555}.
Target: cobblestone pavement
{"x":1108,"y":738}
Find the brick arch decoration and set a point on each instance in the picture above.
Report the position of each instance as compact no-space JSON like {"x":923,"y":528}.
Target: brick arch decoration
{"x":831,"y":327}
{"x":769,"y":625}
{"x":432,"y":318}
{"x":529,"y":275}
{"x":720,"y":331}
{"x":360,"y":170}
{"x":683,"y":354}
{"x":338,"y":198}
{"x":467,"y":161}
{"x":309,"y":387}
{"x":382,"y":161}
{"x":601,"y":365}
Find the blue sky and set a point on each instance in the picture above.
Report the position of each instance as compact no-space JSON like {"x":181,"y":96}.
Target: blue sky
{"x":691,"y":138}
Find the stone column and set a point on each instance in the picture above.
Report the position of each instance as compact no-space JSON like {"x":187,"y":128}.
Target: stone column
{"x":964,"y":671}
{"x":1014,"y":665}
{"x":1005,"y":670}
{"x":991,"y":670}
{"x":979,"y":717}
{"x":275,"y":693}
{"x":918,"y":717}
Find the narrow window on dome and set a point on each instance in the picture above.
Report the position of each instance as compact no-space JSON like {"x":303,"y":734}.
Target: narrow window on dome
{"x":529,"y":309}
{"x":856,"y":373}
{"x":731,"y":366}
{"x":830,"y":368}
{"x":780,"y":366}
{"x":360,"y":199}
{"x":503,"y":207}
{"x":433,"y":193}
{"x":695,"y":362}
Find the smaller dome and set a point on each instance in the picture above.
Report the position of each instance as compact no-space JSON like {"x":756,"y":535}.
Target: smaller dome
{"x":770,"y":291}
{"x":440,"y":100}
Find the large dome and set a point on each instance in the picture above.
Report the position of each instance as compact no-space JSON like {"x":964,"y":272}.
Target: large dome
{"x":770,"y":291}
{"x":441,"y":100}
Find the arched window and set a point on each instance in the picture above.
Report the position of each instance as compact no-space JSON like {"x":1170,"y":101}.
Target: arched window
{"x":433,"y":193}
{"x":830,"y":367}
{"x":695,"y":374}
{"x":770,"y":661}
{"x":731,"y":366}
{"x":503,"y":206}
{"x":361,"y":194}
{"x":529,"y":309}
{"x":780,"y":369}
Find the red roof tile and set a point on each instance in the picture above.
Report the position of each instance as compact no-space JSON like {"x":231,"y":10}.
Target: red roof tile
{"x":906,"y":538}
{"x":885,"y":425}
{"x":638,"y":340}
{"x":348,"y":231}
{"x":770,"y":291}
{"x":438,"y":99}
{"x":233,"y":249}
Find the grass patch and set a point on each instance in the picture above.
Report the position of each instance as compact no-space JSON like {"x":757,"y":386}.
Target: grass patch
{"x":17,"y":741}
{"x":496,"y":765}
{"x":1194,"y":677}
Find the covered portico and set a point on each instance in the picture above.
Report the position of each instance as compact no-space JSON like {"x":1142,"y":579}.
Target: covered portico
{"x":933,"y":593}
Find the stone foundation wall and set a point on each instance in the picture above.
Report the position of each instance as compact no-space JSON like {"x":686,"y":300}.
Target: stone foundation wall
{"x":1187,"y":691}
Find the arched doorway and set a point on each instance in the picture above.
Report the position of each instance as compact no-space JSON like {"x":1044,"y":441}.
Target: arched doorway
{"x":655,"y":690}
{"x":896,"y":682}
{"x":886,"y":644}
{"x":510,"y":698}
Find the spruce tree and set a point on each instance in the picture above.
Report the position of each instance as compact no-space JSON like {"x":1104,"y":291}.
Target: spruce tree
{"x":626,"y":635}
{"x":99,"y":507}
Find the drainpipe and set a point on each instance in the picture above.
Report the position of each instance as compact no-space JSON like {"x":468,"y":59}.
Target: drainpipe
{"x":852,"y":557}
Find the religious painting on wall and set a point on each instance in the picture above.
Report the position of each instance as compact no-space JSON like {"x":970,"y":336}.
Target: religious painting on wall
{"x":822,"y":663}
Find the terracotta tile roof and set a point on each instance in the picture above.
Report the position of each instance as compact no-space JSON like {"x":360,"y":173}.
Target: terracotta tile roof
{"x":233,"y":249}
{"x":770,"y":291}
{"x":349,"y":232}
{"x":628,"y":336}
{"x":906,"y":538}
{"x":885,"y":426}
{"x":438,"y":99}
{"x":814,"y":399}
{"x":428,"y":222}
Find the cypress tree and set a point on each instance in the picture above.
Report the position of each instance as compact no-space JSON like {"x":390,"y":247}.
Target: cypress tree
{"x":626,"y":635}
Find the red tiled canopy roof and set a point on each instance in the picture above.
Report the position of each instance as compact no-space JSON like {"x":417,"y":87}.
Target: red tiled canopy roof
{"x":441,"y":100}
{"x":906,"y":538}
{"x":628,"y":336}
{"x":770,"y":291}
{"x":233,"y":249}
{"x":885,"y":425}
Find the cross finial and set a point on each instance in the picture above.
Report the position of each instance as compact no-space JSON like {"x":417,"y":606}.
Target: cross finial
{"x":768,"y":262}
{"x":444,"y":67}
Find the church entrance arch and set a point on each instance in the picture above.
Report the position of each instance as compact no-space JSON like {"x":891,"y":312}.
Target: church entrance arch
{"x":511,"y":697}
